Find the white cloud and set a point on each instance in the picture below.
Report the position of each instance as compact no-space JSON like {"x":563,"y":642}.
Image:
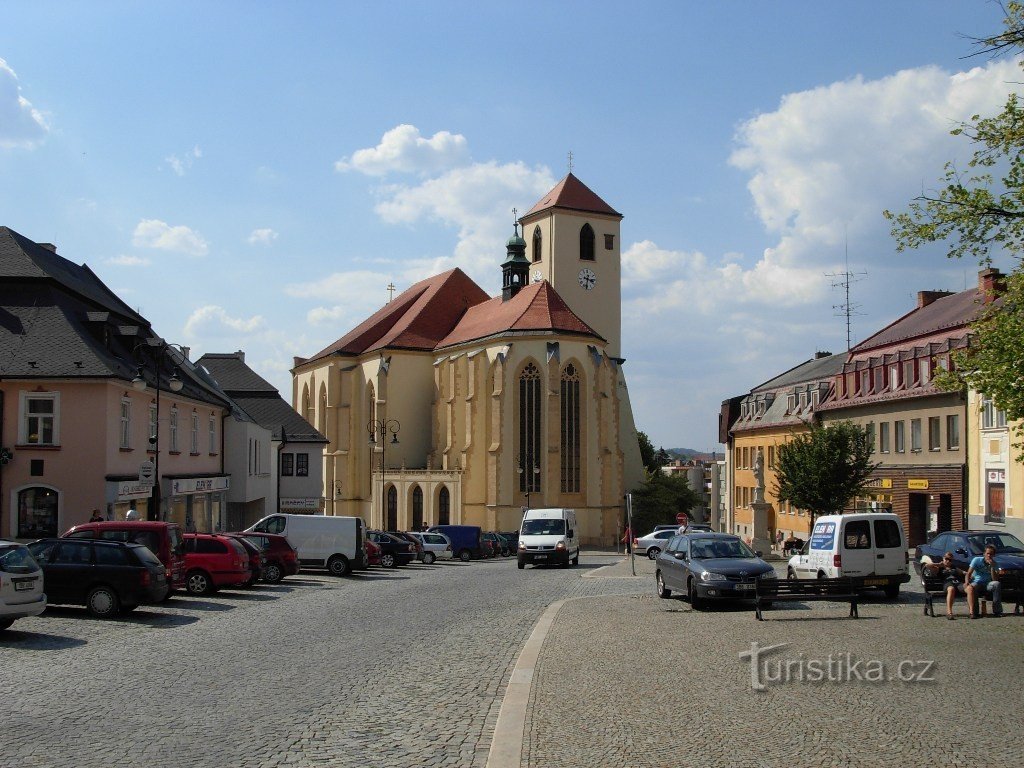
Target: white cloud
{"x":403,"y":150}
{"x":213,"y":320}
{"x":128,"y":261}
{"x":21,"y":124}
{"x":262,"y":236}
{"x":182,"y":164}
{"x":153,"y":233}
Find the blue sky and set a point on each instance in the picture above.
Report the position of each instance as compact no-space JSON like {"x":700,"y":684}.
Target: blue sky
{"x":252,"y":175}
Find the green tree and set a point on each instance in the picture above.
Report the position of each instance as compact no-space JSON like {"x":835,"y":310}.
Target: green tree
{"x":979,"y":212}
{"x":659,"y":500}
{"x":822,"y":470}
{"x":653,"y":459}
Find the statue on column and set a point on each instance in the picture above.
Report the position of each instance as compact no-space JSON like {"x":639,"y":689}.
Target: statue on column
{"x":759,"y":477}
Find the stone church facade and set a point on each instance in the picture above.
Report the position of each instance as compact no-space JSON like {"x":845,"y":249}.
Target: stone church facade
{"x":448,"y":406}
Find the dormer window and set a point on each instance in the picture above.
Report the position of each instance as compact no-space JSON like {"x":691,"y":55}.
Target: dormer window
{"x":815,"y":398}
{"x":803,"y":400}
{"x":791,"y":403}
{"x":894,"y":377}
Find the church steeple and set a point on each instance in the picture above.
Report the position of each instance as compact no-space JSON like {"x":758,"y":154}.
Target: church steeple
{"x":516,"y":269}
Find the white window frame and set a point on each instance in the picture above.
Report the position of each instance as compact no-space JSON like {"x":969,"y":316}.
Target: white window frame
{"x":23,"y":429}
{"x":172,"y":427}
{"x":213,"y":433}
{"x":126,"y":423}
{"x":991,"y":417}
{"x":195,"y":433}
{"x":154,"y":425}
{"x":953,"y":432}
{"x":915,"y":436}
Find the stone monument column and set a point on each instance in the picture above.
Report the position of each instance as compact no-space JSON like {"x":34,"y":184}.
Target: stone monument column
{"x":760,"y":541}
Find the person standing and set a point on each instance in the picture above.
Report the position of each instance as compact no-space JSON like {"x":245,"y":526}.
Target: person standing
{"x":96,"y":517}
{"x":981,"y":579}
{"x":627,"y":539}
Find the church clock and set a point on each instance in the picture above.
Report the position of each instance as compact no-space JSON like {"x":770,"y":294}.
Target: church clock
{"x":587,"y":278}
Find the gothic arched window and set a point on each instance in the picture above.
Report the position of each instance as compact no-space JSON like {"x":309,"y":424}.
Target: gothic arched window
{"x":587,"y":242}
{"x":529,"y":429}
{"x":570,"y":430}
{"x":535,"y":254}
{"x":392,"y":523}
{"x":417,"y":508}
{"x":444,"y":507}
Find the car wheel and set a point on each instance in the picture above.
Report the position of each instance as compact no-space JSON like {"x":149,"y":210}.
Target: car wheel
{"x":652,"y":553}
{"x":464,"y":556}
{"x":102,"y":602}
{"x":198,"y":583}
{"x":387,"y":560}
{"x":337,"y":566}
{"x":428,"y":558}
{"x":791,"y":574}
{"x":272,"y":573}
{"x":576,"y":560}
{"x":5,"y":623}
{"x":892,"y":591}
{"x":663,"y":591}
{"x":695,"y":601}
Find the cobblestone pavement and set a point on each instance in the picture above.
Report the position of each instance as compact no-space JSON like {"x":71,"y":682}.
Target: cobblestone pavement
{"x":638,"y":681}
{"x":388,"y":668}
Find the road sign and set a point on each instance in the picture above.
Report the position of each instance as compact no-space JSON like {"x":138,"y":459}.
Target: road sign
{"x":147,"y":473}
{"x":681,"y":518}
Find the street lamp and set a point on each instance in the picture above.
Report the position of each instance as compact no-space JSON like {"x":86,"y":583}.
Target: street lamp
{"x":529,"y":483}
{"x":160,"y":350}
{"x":383,"y":427}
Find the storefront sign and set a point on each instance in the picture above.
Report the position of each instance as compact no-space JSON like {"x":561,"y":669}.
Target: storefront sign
{"x":997,"y":475}
{"x":187,"y":485}
{"x":147,"y":474}
{"x":133,"y":489}
{"x":301,"y":503}
{"x":879,"y":482}
{"x":917,"y":485}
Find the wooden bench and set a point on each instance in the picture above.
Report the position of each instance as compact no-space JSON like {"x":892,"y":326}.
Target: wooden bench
{"x":935,"y":586}
{"x":767,"y":592}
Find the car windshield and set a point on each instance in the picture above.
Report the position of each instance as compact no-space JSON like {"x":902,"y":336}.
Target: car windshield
{"x":705,"y":549}
{"x":544,"y":527}
{"x":1003,"y":542}
{"x":17,"y":559}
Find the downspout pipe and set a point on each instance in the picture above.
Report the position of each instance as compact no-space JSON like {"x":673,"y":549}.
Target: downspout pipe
{"x":280,"y":449}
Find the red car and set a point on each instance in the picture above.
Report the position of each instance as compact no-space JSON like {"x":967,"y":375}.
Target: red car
{"x":372,"y":553}
{"x":255,"y":558}
{"x":279,"y":558}
{"x":213,"y":561}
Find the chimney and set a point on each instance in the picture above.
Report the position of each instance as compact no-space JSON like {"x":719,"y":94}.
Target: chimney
{"x":821,"y":353}
{"x":991,"y":283}
{"x":924,"y":298}
{"x":187,"y":351}
{"x":240,"y":355}
{"x":48,"y":246}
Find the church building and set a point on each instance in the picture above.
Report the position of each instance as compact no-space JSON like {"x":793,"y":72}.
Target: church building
{"x":447,"y":406}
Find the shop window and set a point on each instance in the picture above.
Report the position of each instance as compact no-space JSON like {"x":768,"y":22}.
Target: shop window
{"x":40,"y":418}
{"x":37,"y":513}
{"x":995,"y":503}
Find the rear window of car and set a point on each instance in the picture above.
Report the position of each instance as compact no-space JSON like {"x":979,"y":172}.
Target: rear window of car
{"x":435,"y":539}
{"x":887,"y":534}
{"x":111,"y":556}
{"x":146,"y":557}
{"x":210,"y":547}
{"x":238,"y":547}
{"x":17,"y":559}
{"x":857,"y":534}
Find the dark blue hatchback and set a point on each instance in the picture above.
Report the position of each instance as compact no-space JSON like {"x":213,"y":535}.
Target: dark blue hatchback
{"x":709,"y":566}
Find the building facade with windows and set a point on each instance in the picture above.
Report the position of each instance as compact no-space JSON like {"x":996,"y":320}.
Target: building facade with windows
{"x":476,"y":406}
{"x":995,"y":494}
{"x":97,"y":411}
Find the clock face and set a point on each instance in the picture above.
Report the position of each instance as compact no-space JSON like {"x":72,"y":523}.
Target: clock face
{"x":537,"y":277}
{"x":587,"y":278}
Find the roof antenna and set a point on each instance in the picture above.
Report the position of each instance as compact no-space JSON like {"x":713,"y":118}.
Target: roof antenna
{"x":844,"y":280}
{"x":570,"y":161}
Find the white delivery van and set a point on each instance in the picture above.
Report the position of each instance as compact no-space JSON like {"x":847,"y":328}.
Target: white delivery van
{"x":549,"y":536}
{"x":322,"y":541}
{"x":867,"y":545}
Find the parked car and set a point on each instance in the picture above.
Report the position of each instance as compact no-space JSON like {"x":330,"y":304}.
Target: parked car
{"x":673,"y":527}
{"x":709,"y":566}
{"x":372,"y":552}
{"x":653,"y":542}
{"x":695,"y":528}
{"x":548,"y":535}
{"x":507,"y":549}
{"x":465,"y":539}
{"x":104,"y":576}
{"x":255,"y":558}
{"x":162,"y":539}
{"x":213,"y":561}
{"x":279,"y":557}
{"x":410,"y":538}
{"x":435,"y":546}
{"x":334,"y":542}
{"x":512,"y":537}
{"x":394,"y":551}
{"x":966,"y":545}
{"x":491,"y":544}
{"x":21,"y":584}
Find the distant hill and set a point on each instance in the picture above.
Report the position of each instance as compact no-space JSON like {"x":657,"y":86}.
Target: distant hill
{"x":686,"y":454}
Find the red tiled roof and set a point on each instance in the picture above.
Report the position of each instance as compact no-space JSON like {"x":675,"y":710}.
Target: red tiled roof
{"x":943,"y":315}
{"x":417,"y":318}
{"x":537,"y":307}
{"x":573,"y":194}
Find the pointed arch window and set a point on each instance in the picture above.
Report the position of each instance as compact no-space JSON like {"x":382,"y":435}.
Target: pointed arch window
{"x":417,"y":508}
{"x":587,"y":242}
{"x":392,"y":523}
{"x":529,"y":429}
{"x":538,"y":241}
{"x":570,"y":430}
{"x":444,"y":504}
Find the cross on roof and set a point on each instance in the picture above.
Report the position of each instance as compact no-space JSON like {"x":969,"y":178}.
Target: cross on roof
{"x":391,"y":292}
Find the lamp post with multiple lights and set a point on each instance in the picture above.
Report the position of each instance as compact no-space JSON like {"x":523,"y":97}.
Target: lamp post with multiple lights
{"x":529,"y":483}
{"x":380,"y":429}
{"x":161,"y":351}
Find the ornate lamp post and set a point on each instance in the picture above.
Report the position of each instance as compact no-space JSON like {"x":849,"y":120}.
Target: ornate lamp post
{"x":160,"y":350}
{"x":382,"y":428}
{"x":529,"y":483}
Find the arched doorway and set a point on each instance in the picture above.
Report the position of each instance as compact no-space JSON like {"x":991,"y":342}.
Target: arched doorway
{"x":444,"y":507}
{"x":392,"y":522}
{"x":417,"y":508}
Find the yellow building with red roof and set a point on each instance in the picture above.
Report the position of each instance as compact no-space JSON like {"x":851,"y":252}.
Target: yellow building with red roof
{"x":477,"y":406}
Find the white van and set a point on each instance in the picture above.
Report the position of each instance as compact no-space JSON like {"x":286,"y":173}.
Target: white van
{"x":549,"y":536}
{"x":322,"y":541}
{"x":865,"y":545}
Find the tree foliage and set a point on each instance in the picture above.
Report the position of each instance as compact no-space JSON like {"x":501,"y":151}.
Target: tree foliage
{"x":659,"y":500}
{"x":822,"y":470}
{"x":652,"y":459}
{"x":979,"y":212}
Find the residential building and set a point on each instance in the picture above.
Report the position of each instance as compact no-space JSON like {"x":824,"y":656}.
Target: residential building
{"x":995,"y":495}
{"x":96,"y":410}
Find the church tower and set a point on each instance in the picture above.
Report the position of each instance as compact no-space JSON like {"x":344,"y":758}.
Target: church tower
{"x":516,"y":270}
{"x":572,"y":241}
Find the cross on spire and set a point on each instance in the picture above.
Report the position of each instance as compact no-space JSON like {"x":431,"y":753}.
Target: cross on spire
{"x":391,"y":292}
{"x":515,"y":220}
{"x":570,"y":161}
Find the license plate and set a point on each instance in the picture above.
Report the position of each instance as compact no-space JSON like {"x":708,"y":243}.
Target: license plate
{"x":875,"y":582}
{"x":23,"y":586}
{"x":744,"y":586}
{"x":540,"y":557}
